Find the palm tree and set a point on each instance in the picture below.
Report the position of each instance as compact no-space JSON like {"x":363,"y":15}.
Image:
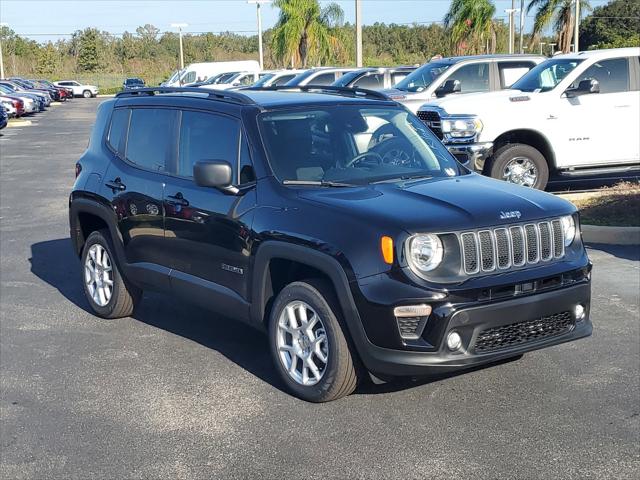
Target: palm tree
{"x":559,"y":12}
{"x":305,"y":32}
{"x":470,"y":23}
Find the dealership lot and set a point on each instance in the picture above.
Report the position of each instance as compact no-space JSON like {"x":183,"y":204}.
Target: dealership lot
{"x":178,"y":392}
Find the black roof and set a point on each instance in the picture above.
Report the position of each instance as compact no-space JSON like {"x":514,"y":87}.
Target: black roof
{"x":270,"y":97}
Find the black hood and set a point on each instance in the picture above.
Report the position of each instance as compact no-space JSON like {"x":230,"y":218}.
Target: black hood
{"x":445,"y":204}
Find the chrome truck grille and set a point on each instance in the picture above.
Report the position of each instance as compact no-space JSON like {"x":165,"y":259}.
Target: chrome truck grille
{"x":515,"y":246}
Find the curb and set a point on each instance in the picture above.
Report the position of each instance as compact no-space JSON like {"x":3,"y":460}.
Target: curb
{"x":108,"y":95}
{"x":19,"y":123}
{"x":55,"y":104}
{"x":611,"y":235}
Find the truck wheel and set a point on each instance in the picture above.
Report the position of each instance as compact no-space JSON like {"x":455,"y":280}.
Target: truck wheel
{"x":520,"y":164}
{"x":308,"y":343}
{"x":86,"y":94}
{"x":109,"y":295}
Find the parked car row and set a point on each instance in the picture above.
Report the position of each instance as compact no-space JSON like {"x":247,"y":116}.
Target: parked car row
{"x":519,"y":118}
{"x":21,"y":96}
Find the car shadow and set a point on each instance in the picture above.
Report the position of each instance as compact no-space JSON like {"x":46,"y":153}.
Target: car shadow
{"x":55,"y":262}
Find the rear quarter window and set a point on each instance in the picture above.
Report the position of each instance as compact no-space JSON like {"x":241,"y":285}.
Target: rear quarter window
{"x":117,"y":136}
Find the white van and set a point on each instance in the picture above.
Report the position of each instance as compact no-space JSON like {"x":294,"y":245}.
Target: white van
{"x":201,"y":71}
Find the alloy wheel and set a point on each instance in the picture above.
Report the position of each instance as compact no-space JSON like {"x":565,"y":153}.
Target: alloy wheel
{"x":98,"y":275}
{"x":303,"y":346}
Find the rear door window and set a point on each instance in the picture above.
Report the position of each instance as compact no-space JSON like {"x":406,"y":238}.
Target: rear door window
{"x":510,"y":72}
{"x":151,"y":139}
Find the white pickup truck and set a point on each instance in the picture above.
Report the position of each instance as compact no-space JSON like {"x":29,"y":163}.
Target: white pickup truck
{"x":573,"y":114}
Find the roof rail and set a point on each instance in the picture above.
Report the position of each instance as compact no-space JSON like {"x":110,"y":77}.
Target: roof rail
{"x":222,"y":95}
{"x":347,"y":91}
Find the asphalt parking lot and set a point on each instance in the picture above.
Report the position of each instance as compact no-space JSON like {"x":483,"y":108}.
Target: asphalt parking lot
{"x":176,"y":392}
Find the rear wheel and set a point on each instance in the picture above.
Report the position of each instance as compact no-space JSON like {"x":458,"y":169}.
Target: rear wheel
{"x":308,"y":343}
{"x":109,"y":295}
{"x":86,"y":94}
{"x":520,"y":164}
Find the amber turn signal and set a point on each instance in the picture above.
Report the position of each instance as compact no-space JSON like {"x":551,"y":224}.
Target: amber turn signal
{"x":386,"y":245}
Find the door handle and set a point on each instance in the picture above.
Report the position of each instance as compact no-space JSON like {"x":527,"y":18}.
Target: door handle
{"x":178,"y":199}
{"x":116,"y":184}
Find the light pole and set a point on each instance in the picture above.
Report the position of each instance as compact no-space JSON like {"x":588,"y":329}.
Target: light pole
{"x":358,"y":33}
{"x":512,"y":29}
{"x":521,"y":26}
{"x":576,"y":32}
{"x":2,"y":25}
{"x":180,"y":26}
{"x":260,"y":52}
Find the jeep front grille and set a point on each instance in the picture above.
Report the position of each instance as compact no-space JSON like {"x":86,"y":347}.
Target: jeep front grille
{"x":432,"y":120}
{"x":503,"y":248}
{"x":521,"y":333}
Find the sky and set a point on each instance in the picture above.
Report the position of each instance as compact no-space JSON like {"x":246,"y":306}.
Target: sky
{"x":45,"y":20}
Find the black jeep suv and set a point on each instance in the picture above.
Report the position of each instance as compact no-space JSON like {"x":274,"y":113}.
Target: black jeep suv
{"x":331,"y":218}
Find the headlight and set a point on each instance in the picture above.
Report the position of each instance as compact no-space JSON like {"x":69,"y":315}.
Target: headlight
{"x":425,"y":252}
{"x":462,"y":127}
{"x":568,"y":229}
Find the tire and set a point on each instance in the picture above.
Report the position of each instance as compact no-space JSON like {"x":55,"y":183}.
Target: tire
{"x":511,"y":163}
{"x":87,"y":94}
{"x":123,"y":297}
{"x":339,"y":376}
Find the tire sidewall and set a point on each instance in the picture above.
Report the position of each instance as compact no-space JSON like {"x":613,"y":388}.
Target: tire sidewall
{"x":86,"y":94}
{"x":307,"y":293}
{"x":506,"y":154}
{"x":107,"y":310}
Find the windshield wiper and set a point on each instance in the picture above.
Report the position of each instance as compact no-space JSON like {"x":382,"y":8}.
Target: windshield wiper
{"x":403,"y":177}
{"x":318,"y":183}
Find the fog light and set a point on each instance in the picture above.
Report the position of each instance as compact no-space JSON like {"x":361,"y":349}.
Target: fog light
{"x":454,"y":342}
{"x":579,"y":312}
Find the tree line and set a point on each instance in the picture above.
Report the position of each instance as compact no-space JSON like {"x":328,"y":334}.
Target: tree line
{"x":308,"y":35}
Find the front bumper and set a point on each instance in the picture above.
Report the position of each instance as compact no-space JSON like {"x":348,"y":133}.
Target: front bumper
{"x":471,"y":321}
{"x":473,"y":155}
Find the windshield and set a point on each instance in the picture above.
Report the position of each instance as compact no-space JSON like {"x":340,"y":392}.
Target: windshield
{"x":546,"y":76}
{"x":421,"y":78}
{"x":134,"y":81}
{"x":347,"y":78}
{"x":264,"y":80}
{"x":175,"y":76}
{"x":353,"y":145}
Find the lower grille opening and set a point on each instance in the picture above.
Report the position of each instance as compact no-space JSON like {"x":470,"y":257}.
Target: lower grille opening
{"x":411,"y":327}
{"x":520,"y":333}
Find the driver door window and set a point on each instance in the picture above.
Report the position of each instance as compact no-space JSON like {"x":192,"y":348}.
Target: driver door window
{"x":473,"y":77}
{"x":612,"y":75}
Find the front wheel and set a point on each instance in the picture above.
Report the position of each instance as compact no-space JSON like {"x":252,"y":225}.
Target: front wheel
{"x":520,"y":164}
{"x":308,"y":343}
{"x":109,"y":295}
{"x":86,"y":94}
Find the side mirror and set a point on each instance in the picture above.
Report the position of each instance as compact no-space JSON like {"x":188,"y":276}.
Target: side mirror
{"x":213,"y":173}
{"x":585,"y":87}
{"x":449,"y":87}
